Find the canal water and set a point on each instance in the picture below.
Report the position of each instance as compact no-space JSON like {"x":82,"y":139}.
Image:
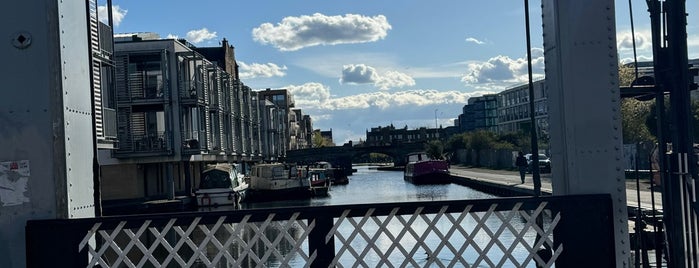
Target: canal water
{"x":368,"y":185}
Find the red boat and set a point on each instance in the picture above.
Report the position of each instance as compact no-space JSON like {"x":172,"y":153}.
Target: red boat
{"x":421,"y":169}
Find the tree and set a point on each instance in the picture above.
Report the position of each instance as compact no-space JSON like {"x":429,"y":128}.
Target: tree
{"x":455,"y":142}
{"x":480,"y":140}
{"x":320,"y":141}
{"x":435,"y":149}
{"x":634,"y":113}
{"x":634,"y":118}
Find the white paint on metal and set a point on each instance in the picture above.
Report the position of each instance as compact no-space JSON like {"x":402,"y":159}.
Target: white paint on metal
{"x":46,"y":119}
{"x":471,"y":238}
{"x":76,"y":102}
{"x":14,"y":176}
{"x":585,"y":126}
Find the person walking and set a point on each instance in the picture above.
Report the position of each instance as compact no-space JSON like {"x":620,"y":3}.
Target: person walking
{"x":521,"y":163}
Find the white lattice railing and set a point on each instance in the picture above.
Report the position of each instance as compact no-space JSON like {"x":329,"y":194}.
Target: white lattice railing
{"x":469,"y":233}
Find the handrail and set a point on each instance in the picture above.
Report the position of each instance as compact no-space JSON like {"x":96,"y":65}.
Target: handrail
{"x":577,"y":224}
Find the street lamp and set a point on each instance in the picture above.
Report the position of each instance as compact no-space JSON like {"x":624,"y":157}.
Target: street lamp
{"x":435,"y":118}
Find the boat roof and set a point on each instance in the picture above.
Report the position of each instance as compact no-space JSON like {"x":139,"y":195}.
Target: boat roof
{"x":269,"y":165}
{"x":225,"y":167}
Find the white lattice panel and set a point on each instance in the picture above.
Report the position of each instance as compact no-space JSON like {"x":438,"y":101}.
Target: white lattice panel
{"x":244,"y":244}
{"x":466,"y":238}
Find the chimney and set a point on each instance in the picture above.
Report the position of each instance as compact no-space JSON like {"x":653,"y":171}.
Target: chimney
{"x":224,"y":43}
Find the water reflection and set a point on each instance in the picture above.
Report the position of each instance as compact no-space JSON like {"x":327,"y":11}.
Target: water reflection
{"x":368,"y":185}
{"x":431,"y":192}
{"x":272,"y":243}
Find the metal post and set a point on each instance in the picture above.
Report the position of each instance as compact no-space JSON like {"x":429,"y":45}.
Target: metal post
{"x":536,"y":176}
{"x":435,"y":118}
{"x":672,"y":74}
{"x":317,"y":244}
{"x":46,"y":245}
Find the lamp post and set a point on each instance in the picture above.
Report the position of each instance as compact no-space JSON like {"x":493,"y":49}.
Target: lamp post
{"x":435,"y":118}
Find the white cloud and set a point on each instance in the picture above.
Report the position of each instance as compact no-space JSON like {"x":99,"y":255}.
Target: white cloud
{"x":624,"y":41}
{"x":364,"y":74}
{"x":310,"y":94}
{"x":255,"y":70}
{"x":318,"y":97}
{"x":172,"y":36}
{"x":294,"y":33}
{"x":503,"y":69}
{"x":201,"y":35}
{"x":358,"y":74}
{"x":345,"y":115}
{"x":393,"y":79}
{"x":475,"y":41}
{"x":118,"y":14}
{"x":640,"y":58}
{"x":693,"y":46}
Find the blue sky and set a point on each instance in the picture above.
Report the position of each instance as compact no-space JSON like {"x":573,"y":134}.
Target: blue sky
{"x":353,"y":65}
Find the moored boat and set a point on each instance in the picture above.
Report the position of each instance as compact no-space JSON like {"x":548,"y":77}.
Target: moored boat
{"x":422,"y":169}
{"x":320,"y":183}
{"x":220,"y":185}
{"x":277,"y":181}
{"x":336,"y":176}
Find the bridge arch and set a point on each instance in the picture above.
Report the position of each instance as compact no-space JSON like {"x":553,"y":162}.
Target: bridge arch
{"x":341,"y":156}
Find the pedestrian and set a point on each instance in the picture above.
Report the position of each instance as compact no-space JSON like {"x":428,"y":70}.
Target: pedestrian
{"x":521,"y":163}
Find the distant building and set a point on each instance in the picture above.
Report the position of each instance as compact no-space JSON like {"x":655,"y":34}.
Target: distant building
{"x":327,"y":134}
{"x":646,"y":68}
{"x":504,"y":112}
{"x":513,"y":108}
{"x":284,"y":103}
{"x":383,"y":136}
{"x":271,"y":143}
{"x":480,"y":113}
{"x":300,"y":130}
{"x":223,"y":57}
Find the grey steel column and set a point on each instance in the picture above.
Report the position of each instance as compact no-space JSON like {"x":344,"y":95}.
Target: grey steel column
{"x":46,"y":126}
{"x":584,"y":111}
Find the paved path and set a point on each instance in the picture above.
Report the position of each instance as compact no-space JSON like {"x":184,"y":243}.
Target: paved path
{"x":511,"y":179}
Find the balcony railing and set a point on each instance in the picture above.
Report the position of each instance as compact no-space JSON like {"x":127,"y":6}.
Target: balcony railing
{"x":147,"y":143}
{"x":194,"y":142}
{"x":109,"y":121}
{"x":105,"y":37}
{"x":565,"y":231}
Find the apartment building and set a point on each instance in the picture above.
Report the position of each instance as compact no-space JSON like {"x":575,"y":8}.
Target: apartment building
{"x":480,"y":113}
{"x":282,"y":104}
{"x":177,"y":111}
{"x":513,"y":108}
{"x":301,"y":130}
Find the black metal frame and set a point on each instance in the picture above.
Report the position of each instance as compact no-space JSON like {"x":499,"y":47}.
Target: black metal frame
{"x":585,"y":225}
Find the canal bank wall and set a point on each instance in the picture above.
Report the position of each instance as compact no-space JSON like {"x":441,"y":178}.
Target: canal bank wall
{"x":497,"y":189}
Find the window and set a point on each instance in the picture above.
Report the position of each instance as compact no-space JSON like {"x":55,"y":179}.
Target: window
{"x":146,"y":76}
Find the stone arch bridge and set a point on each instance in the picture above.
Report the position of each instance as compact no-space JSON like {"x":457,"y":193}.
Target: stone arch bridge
{"x":341,"y":156}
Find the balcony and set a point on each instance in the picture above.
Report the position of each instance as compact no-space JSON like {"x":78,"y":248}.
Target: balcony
{"x":194,"y":142}
{"x":110,"y":123}
{"x":145,"y":145}
{"x":106,"y":40}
